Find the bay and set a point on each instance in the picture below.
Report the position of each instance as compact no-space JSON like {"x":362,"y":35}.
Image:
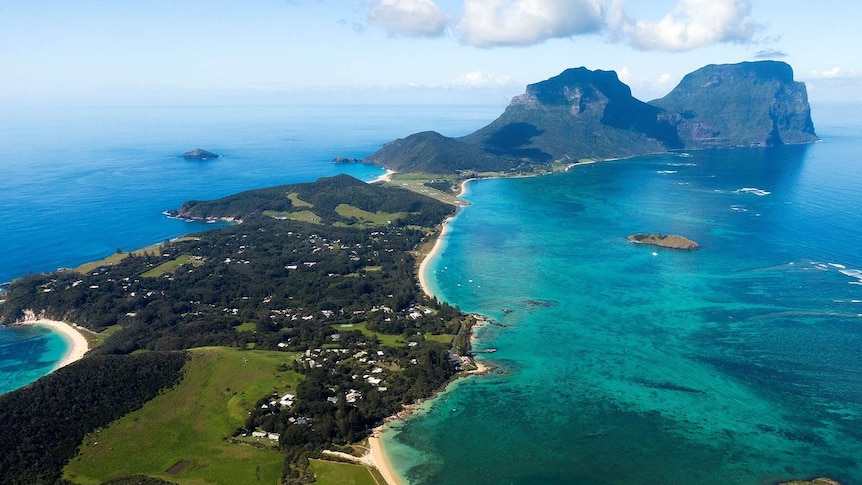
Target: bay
{"x":740,"y":363}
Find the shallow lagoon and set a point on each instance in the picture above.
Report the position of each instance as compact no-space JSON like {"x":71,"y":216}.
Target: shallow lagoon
{"x":622,"y":363}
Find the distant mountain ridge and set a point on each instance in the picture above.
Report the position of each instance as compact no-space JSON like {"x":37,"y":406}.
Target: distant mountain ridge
{"x":584,"y":114}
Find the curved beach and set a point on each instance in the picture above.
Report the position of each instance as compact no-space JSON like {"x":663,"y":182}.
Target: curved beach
{"x":377,"y":450}
{"x":77,"y":344}
{"x":381,"y":460}
{"x":423,"y":266}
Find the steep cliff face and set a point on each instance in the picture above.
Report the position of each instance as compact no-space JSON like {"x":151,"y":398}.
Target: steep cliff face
{"x":578,"y":114}
{"x":584,"y":114}
{"x":746,"y":104}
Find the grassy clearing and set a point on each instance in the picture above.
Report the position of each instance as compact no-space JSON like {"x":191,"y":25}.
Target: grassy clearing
{"x":302,"y":216}
{"x":365,"y":217}
{"x":443,"y":338}
{"x":297,"y":202}
{"x":192,"y":422}
{"x":333,"y":473}
{"x":119,"y":256}
{"x":171,"y":266}
{"x":385,"y":340}
{"x":246,"y":327}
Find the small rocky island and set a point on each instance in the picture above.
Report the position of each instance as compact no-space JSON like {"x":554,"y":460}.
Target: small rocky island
{"x":346,"y":160}
{"x":199,"y":154}
{"x":671,"y":242}
{"x":816,"y":481}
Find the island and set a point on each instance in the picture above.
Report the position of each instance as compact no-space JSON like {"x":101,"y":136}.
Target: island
{"x":293,"y":333}
{"x":816,"y":481}
{"x":200,"y":154}
{"x":661,"y":240}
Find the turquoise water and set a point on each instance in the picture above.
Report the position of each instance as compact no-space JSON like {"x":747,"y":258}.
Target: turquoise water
{"x":740,"y":363}
{"x":80,"y":183}
{"x":26,"y":354}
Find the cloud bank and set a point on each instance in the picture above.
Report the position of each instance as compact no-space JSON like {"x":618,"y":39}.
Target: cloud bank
{"x":511,"y":23}
{"x":409,"y":18}
{"x":492,"y":23}
{"x":691,"y":24}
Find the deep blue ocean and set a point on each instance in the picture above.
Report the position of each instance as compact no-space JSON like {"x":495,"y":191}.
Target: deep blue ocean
{"x":79,"y":183}
{"x":740,"y":363}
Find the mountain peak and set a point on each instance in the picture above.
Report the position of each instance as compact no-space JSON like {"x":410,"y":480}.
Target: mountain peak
{"x":585,"y":114}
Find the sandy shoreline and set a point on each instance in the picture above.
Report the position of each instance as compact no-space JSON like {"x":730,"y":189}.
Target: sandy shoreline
{"x":386,"y":177}
{"x":377,"y":452}
{"x":78,"y":345}
{"x":381,"y":459}
{"x":423,"y":266}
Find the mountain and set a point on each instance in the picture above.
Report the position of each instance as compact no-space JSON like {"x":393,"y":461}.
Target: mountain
{"x":578,"y":114}
{"x":584,"y":114}
{"x":746,"y":104}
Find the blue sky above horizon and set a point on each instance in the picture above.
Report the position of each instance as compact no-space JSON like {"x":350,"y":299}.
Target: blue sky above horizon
{"x":402,"y":51}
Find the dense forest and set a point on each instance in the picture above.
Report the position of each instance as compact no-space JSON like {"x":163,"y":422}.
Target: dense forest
{"x":43,"y":424}
{"x":332,"y":283}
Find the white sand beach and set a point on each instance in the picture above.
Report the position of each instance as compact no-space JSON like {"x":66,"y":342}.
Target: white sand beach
{"x":386,"y":177}
{"x":381,"y":460}
{"x":78,"y":345}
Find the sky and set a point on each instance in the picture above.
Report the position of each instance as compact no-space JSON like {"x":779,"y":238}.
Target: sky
{"x":108,"y":52}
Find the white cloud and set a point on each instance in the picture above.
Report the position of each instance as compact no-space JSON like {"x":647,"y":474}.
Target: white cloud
{"x":491,"y":23}
{"x":833,"y":73}
{"x":409,"y":18}
{"x":691,"y":24}
{"x":479,"y":79}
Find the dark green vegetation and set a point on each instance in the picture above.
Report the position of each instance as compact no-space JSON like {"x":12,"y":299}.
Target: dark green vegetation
{"x":42,"y":424}
{"x":337,"y":298}
{"x":747,"y":104}
{"x":583,"y":114}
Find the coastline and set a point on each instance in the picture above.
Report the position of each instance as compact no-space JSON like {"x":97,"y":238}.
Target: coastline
{"x":386,"y":177}
{"x":377,"y":449}
{"x":377,"y":455}
{"x":444,"y":230}
{"x":77,"y":344}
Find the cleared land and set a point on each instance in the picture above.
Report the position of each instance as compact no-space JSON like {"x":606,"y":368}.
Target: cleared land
{"x":119,"y":256}
{"x":332,"y":473}
{"x":192,"y":423}
{"x":172,"y":265}
{"x":385,"y":340}
{"x":365,"y":217}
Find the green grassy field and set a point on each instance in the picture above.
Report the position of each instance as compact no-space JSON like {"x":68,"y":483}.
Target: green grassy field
{"x":246,"y":327}
{"x":119,"y":256}
{"x":332,"y":473}
{"x":191,"y":423}
{"x":171,"y":266}
{"x":302,"y":216}
{"x":297,"y":202}
{"x":365,"y":217}
{"x":385,"y":340}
